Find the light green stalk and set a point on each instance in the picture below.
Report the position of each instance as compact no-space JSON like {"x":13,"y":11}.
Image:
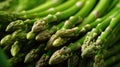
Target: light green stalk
{"x":43,"y":7}
{"x":73,"y":20}
{"x":51,"y":10}
{"x":44,"y":23}
{"x":27,"y":5}
{"x":15,"y":48}
{"x":93,"y":46}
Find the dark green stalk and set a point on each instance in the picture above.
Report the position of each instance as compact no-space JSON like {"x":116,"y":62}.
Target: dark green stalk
{"x":34,"y":54}
{"x":43,"y":61}
{"x":16,"y":60}
{"x":74,"y":60}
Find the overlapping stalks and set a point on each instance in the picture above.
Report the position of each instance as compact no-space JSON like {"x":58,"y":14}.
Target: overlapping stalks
{"x":56,"y":33}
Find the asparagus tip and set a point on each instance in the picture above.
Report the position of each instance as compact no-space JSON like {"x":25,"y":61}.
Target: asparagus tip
{"x":43,"y":36}
{"x":43,"y":61}
{"x":60,"y":55}
{"x":90,"y":50}
{"x":15,"y":48}
{"x":30,"y":35}
{"x":57,"y":42}
{"x":39,"y":26}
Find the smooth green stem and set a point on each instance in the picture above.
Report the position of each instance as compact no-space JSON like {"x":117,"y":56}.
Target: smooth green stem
{"x":44,"y":23}
{"x":98,"y":11}
{"x":43,"y":7}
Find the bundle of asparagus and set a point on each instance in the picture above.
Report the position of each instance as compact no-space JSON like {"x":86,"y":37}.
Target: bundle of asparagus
{"x":55,"y":33}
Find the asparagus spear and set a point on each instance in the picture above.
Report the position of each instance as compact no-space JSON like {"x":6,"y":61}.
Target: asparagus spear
{"x":99,"y":60}
{"x":112,"y":60}
{"x":43,"y":61}
{"x":65,"y":52}
{"x":15,"y":51}
{"x":16,"y":60}
{"x":61,"y":52}
{"x":106,"y":50}
{"x":27,"y":5}
{"x":92,"y":48}
{"x":34,"y":12}
{"x":46,"y":34}
{"x":85,"y":28}
{"x":34,"y":54}
{"x":60,"y":39}
{"x":73,"y":20}
{"x":74,"y":59}
{"x":8,"y":40}
{"x":112,"y":50}
{"x":43,"y":7}
{"x":43,"y":24}
{"x":20,"y":24}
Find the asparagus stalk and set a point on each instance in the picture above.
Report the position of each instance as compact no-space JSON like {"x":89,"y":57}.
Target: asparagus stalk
{"x":99,"y":60}
{"x":16,"y":60}
{"x":43,"y":61}
{"x":112,"y":50}
{"x":56,"y":41}
{"x":112,"y":60}
{"x":27,"y":5}
{"x":83,"y":62}
{"x":34,"y":12}
{"x":75,"y":57}
{"x":43,"y":7}
{"x":46,"y":34}
{"x":34,"y":54}
{"x":107,"y":53}
{"x":43,"y":24}
{"x":65,"y":52}
{"x":98,"y":11}
{"x":93,"y":46}
{"x":13,"y":51}
{"x":73,"y":20}
{"x":20,"y":24}
{"x":8,"y":40}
